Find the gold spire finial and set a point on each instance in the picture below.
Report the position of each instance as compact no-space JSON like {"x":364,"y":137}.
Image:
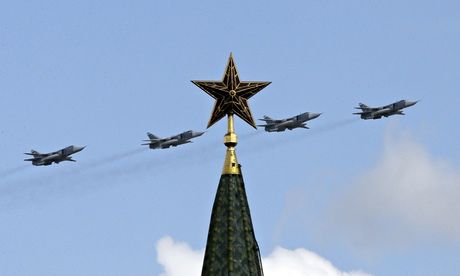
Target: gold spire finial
{"x":231,"y":97}
{"x":231,"y":165}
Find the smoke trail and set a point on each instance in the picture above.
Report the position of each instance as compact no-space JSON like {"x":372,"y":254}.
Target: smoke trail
{"x":113,"y":158}
{"x":250,"y":135}
{"x":12,"y":171}
{"x":92,"y":175}
{"x":190,"y":156}
{"x":87,"y":166}
{"x":334,"y":125}
{"x":59,"y":180}
{"x":205,"y":153}
{"x":285,"y":140}
{"x":162,"y":161}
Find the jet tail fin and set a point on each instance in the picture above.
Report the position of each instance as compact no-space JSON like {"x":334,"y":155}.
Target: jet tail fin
{"x":152,"y":136}
{"x":32,"y":152}
{"x":363,"y":105}
{"x":266,"y":118}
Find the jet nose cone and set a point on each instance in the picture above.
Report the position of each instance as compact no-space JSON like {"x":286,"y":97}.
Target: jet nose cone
{"x":409,"y":103}
{"x":77,"y":149}
{"x":315,"y":115}
{"x":198,"y":133}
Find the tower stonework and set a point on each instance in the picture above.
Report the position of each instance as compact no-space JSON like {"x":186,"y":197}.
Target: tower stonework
{"x":231,"y":248}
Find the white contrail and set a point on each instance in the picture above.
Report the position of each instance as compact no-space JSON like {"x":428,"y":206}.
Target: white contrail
{"x":286,"y":139}
{"x":93,"y":175}
{"x":4,"y":174}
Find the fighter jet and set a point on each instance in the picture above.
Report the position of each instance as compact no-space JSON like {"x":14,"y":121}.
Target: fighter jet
{"x":45,"y":159}
{"x":156,"y":142}
{"x":368,"y":112}
{"x":298,"y":121}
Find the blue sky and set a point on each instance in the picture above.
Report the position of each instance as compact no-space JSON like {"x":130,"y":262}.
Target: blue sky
{"x":103,"y":74}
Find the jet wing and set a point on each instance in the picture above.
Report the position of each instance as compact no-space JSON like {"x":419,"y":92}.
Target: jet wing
{"x":62,"y":151}
{"x":156,"y":140}
{"x":304,"y":126}
{"x":160,"y":141}
{"x":389,"y":106}
{"x":373,"y":110}
{"x":272,"y":121}
{"x":37,"y":154}
{"x":368,"y":109}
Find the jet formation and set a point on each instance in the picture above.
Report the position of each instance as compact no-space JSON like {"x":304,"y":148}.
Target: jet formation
{"x":46,"y":159}
{"x":156,"y":142}
{"x":271,"y":125}
{"x":396,"y":108}
{"x":299,"y":121}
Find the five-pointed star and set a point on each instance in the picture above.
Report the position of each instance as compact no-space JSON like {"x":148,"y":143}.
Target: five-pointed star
{"x":231,"y":94}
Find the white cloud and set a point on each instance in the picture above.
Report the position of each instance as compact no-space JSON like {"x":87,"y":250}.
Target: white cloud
{"x":301,"y":262}
{"x":178,"y":259}
{"x":407,"y":195}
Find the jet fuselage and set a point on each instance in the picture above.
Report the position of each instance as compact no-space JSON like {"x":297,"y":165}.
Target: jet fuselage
{"x":383,"y":111}
{"x":298,"y":121}
{"x":172,"y":141}
{"x":46,"y":159}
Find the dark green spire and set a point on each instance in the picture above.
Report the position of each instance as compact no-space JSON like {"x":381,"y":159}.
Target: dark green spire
{"x":231,"y":248}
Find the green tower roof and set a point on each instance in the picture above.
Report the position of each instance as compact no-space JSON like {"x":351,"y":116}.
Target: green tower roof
{"x":231,"y":247}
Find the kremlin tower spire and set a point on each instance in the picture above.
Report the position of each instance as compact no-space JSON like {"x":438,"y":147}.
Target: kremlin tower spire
{"x":231,"y":247}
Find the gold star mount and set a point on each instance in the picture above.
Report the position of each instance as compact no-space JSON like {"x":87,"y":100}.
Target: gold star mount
{"x":231,"y":94}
